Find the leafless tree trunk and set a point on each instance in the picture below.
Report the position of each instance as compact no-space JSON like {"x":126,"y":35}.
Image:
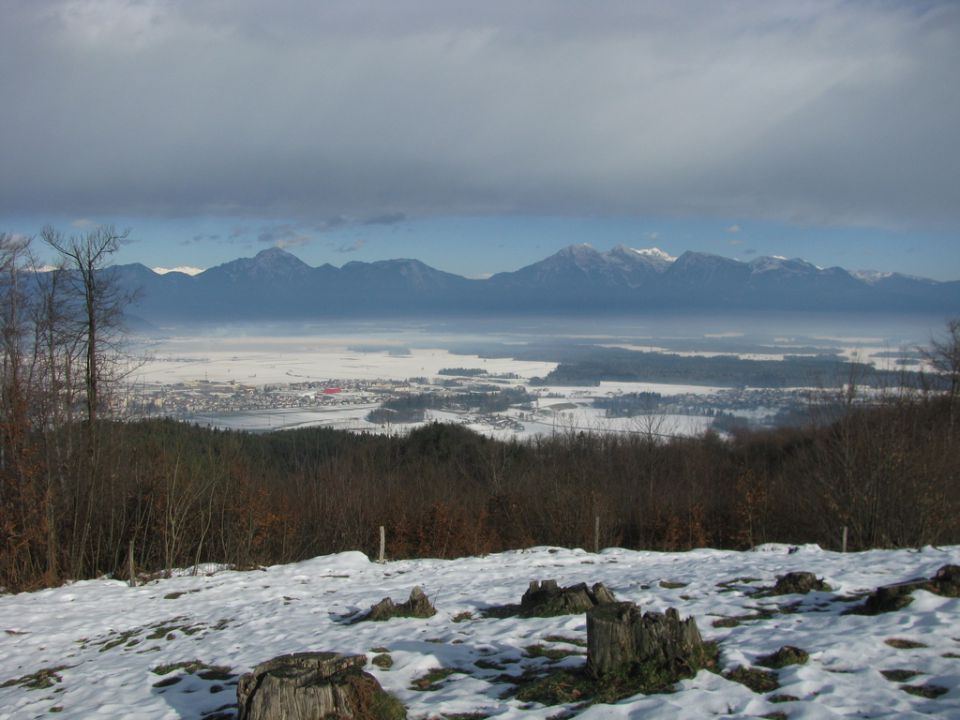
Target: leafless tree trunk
{"x":101,"y":300}
{"x":943,"y":356}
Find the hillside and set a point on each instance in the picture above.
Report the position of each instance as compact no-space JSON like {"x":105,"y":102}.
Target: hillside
{"x":110,"y":650}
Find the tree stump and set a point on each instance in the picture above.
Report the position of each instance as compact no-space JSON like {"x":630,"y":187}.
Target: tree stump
{"x":947,"y":581}
{"x":798,"y":583}
{"x":889,"y":598}
{"x":546,"y":599}
{"x":623,"y":641}
{"x":418,"y":606}
{"x":314,"y":685}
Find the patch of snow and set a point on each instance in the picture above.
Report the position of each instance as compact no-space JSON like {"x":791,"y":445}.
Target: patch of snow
{"x":106,"y":637}
{"x":185,"y":269}
{"x":653,"y":252}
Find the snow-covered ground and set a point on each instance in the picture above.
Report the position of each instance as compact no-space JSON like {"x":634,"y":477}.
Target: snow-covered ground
{"x":107,"y":642}
{"x":259,"y":361}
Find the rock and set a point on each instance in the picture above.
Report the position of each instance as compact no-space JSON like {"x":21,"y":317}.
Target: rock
{"x":623,"y":641}
{"x":418,"y":606}
{"x":547,"y":599}
{"x":798,"y":583}
{"x":314,"y":685}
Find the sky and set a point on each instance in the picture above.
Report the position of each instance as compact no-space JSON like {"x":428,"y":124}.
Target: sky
{"x":480,"y":137}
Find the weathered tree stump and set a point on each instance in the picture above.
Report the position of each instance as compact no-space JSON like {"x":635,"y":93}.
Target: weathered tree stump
{"x":547,"y":599}
{"x":947,"y":581}
{"x":623,"y":641}
{"x":418,"y":606}
{"x":799,"y":583}
{"x":890,"y":598}
{"x":314,"y":685}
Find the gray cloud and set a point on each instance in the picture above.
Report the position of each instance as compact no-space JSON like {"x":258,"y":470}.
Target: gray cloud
{"x":391,"y":218}
{"x":820,"y":111}
{"x":331,"y":223}
{"x":350,"y":247}
{"x":284,"y":236}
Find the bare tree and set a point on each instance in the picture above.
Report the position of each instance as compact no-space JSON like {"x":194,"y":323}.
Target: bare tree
{"x":100,"y":298}
{"x":943,"y":356}
{"x":12,"y":304}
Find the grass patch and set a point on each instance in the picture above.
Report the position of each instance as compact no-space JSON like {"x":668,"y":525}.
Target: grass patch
{"x":576,"y":686}
{"x":926,"y":691}
{"x":215,"y":672}
{"x":40,"y":680}
{"x":120,"y":639}
{"x":383,"y":661}
{"x":462,"y":617}
{"x":904,"y":644}
{"x":760,"y":681}
{"x":782,"y":698}
{"x":558,"y":688}
{"x":726,"y":622}
{"x":900,"y":675}
{"x":729,"y":621}
{"x":568,"y":640}
{"x":485,"y":664}
{"x":158,"y":631}
{"x":727,"y":586}
{"x":787,"y":655}
{"x":951,"y":655}
{"x":670,"y":585}
{"x":541,"y":651}
{"x":433,"y":679}
{"x":190,"y":666}
{"x":203,"y":671}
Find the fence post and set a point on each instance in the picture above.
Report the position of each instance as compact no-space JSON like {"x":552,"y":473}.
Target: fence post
{"x":596,"y":534}
{"x":132,"y":565}
{"x":383,"y":545}
{"x":843,"y":543}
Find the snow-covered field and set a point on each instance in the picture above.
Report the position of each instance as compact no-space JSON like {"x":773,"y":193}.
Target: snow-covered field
{"x":259,"y":361}
{"x":105,"y":642}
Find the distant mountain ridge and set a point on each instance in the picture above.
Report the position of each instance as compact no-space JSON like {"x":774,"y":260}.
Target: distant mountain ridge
{"x":277,"y":285}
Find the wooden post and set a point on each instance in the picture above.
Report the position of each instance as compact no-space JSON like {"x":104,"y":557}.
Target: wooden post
{"x":132,"y":565}
{"x":843,"y":542}
{"x":383,"y":545}
{"x":596,"y":534}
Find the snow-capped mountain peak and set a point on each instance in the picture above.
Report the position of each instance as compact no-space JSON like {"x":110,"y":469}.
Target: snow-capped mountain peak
{"x":651,"y":257}
{"x":653,"y":253}
{"x":778,"y":262}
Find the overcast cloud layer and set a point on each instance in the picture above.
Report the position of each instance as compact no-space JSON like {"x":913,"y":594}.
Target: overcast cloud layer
{"x":811,"y":112}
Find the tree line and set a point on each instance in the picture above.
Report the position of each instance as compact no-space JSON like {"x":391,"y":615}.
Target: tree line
{"x":79,"y":489}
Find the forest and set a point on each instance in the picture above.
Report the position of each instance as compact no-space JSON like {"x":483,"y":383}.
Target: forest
{"x":84,"y":493}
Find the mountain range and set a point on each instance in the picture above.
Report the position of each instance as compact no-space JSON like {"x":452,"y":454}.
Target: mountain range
{"x":578,"y":279}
